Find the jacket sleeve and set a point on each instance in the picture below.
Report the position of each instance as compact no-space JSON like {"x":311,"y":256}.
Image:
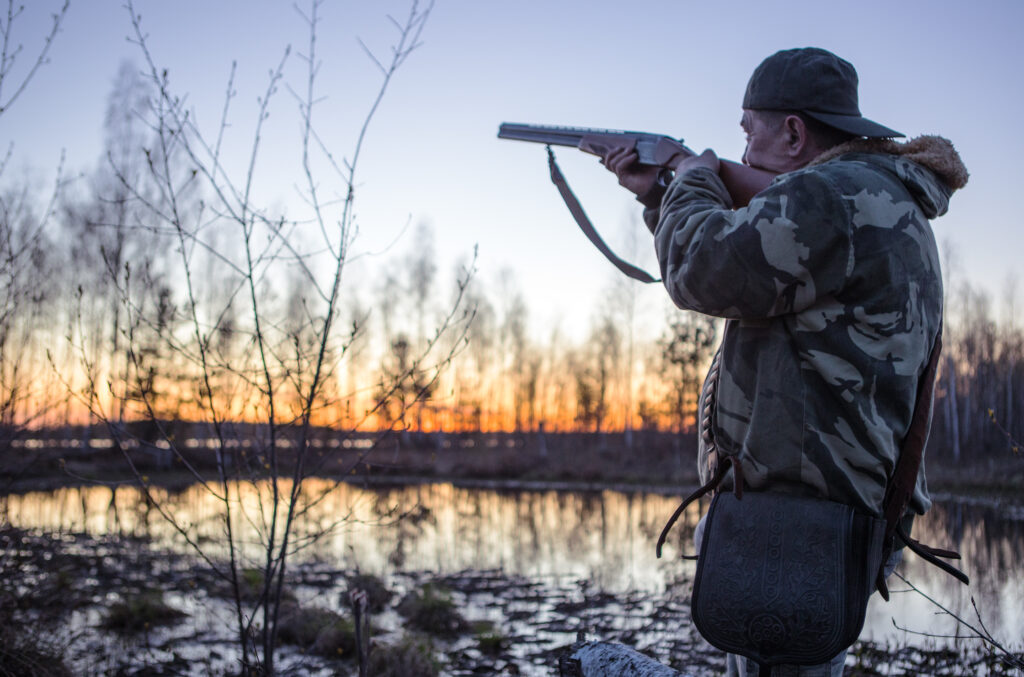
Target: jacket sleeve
{"x":788,"y":248}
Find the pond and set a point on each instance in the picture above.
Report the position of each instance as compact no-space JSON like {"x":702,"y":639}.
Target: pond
{"x":601,"y":539}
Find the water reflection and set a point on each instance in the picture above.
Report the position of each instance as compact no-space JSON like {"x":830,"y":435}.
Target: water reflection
{"x":605,"y":537}
{"x":990,"y":539}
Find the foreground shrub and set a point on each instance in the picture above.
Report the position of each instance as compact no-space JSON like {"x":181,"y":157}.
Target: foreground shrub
{"x":23,"y":652}
{"x":319,"y":631}
{"x":141,"y":612}
{"x":250,"y":587}
{"x":411,"y":657}
{"x":377,"y":594}
{"x":492,"y":643}
{"x":432,"y":610}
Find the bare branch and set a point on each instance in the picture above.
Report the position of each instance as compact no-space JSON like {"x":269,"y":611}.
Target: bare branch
{"x":9,"y":53}
{"x":981,"y":633}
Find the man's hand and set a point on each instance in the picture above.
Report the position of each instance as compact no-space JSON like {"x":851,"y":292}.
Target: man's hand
{"x":640,"y":179}
{"x":636,"y":178}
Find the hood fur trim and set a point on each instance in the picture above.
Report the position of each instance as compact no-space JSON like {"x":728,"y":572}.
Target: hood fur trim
{"x":934,"y":152}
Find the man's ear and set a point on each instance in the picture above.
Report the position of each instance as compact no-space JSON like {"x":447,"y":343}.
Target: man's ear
{"x":796,"y":135}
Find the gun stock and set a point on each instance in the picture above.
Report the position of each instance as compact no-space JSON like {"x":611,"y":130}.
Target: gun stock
{"x":743,"y":182}
{"x":658,"y":150}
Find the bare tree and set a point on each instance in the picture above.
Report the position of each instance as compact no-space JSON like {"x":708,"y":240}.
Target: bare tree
{"x":27,"y":291}
{"x":421,"y":267}
{"x":243,"y":346}
{"x":686,"y":345}
{"x":979,"y":395}
{"x":27,"y":296}
{"x":596,"y":370}
{"x":119,"y":253}
{"x":517,"y":364}
{"x":478,"y":361}
{"x":12,"y":82}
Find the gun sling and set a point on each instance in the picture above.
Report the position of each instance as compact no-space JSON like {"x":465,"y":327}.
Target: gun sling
{"x":588,"y":228}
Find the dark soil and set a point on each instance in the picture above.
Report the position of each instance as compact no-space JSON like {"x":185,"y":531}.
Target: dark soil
{"x":58,"y":594}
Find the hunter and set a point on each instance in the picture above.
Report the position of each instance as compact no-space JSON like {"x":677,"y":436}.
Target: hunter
{"x":828,"y":280}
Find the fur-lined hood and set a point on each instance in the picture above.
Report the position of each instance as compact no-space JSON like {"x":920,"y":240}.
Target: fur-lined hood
{"x":933,"y":153}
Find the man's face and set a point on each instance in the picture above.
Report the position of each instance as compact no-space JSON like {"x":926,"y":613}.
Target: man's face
{"x":766,"y":143}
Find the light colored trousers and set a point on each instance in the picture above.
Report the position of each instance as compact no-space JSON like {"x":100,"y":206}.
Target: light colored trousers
{"x":741,"y":666}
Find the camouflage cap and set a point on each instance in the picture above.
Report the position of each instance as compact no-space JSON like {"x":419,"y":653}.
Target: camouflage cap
{"x":815,"y":82}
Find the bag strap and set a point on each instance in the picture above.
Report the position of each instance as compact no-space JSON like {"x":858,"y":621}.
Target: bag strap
{"x":576,"y":209}
{"x":932,"y":555}
{"x":709,"y":486}
{"x":719,"y":468}
{"x":904,"y":479}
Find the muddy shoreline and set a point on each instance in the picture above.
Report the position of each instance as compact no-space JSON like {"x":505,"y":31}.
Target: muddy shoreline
{"x":69,"y":584}
{"x":63,"y":589}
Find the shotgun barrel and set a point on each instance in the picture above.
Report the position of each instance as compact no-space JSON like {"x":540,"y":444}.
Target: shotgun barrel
{"x":652,"y":149}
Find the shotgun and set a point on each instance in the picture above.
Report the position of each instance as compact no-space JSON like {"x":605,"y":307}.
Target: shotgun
{"x":743,"y":182}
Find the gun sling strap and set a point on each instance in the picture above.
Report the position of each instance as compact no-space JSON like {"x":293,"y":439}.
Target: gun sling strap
{"x":588,"y":228}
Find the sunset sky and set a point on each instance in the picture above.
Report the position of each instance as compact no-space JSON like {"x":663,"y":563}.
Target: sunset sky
{"x":669,"y":66}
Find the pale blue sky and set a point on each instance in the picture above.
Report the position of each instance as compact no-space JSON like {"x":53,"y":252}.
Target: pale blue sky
{"x":677,"y":67}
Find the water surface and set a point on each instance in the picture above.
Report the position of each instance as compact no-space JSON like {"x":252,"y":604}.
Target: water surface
{"x":603,"y":537}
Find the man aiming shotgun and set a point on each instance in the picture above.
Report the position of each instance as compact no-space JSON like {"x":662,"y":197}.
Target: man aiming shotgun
{"x":824,"y":265}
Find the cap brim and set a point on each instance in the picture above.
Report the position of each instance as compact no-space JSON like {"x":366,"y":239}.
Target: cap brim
{"x":854,"y":124}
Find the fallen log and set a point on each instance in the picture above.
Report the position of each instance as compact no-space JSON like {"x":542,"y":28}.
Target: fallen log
{"x":606,"y":659}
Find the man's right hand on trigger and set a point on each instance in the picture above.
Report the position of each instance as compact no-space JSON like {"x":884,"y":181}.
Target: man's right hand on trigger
{"x":636,"y":178}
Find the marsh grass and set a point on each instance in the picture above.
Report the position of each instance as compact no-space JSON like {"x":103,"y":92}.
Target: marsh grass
{"x":492,"y":643}
{"x":413,"y":656}
{"x":24,"y":652}
{"x":141,"y":612}
{"x":378,"y":596}
{"x":319,"y":631}
{"x":431,"y":610}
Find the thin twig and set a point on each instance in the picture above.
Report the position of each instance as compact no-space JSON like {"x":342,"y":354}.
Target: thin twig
{"x":983,"y":634}
{"x":8,"y":56}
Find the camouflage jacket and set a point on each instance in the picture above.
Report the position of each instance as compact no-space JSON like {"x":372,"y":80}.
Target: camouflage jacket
{"x":830,"y":283}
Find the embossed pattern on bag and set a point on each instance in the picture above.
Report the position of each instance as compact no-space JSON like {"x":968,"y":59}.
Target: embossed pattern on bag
{"x":784,"y":579}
